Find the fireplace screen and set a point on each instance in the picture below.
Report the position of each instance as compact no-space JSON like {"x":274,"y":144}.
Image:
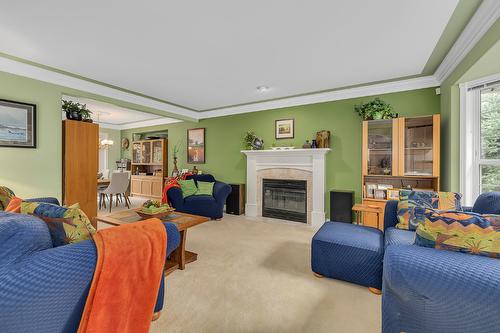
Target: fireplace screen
{"x":285,"y":199}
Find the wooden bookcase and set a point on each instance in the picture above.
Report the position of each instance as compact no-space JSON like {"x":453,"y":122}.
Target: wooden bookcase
{"x":80,"y":164}
{"x":149,"y":167}
{"x":399,"y":153}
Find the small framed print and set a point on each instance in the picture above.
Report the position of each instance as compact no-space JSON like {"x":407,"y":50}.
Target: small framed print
{"x":392,"y":194}
{"x":380,"y":194}
{"x":17,"y":124}
{"x":284,"y":128}
{"x":370,"y":190}
{"x":196,"y":146}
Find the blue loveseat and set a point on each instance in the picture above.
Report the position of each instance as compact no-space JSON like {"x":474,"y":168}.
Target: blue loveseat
{"x":211,"y":206}
{"x":428,"y":290}
{"x":42,"y":288}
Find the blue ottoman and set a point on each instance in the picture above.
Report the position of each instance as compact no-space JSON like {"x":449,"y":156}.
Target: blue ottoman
{"x":349,"y":252}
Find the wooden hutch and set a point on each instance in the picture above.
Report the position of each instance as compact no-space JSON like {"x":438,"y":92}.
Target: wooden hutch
{"x":398,"y":153}
{"x":149,"y":167}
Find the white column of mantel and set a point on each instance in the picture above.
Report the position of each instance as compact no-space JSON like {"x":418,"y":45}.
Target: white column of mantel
{"x":318,"y":215}
{"x":251,"y":202}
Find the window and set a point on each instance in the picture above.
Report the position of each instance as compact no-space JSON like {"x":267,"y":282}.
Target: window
{"x":480,"y":137}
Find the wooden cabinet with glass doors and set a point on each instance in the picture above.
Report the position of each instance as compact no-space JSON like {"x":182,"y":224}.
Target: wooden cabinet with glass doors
{"x":398,"y":153}
{"x":149,"y":167}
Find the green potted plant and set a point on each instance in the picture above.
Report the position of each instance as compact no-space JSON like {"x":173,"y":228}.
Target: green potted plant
{"x":252,"y":141}
{"x":76,"y":111}
{"x":375,"y":109}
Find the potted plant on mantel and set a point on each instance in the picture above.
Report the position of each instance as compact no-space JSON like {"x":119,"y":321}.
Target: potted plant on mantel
{"x":76,"y":111}
{"x":375,"y":109}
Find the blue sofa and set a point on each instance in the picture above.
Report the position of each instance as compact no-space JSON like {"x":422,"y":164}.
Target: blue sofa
{"x":211,"y":206}
{"x":42,"y":288}
{"x":428,"y":290}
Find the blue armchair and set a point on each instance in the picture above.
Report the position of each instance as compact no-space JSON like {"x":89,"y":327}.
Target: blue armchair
{"x":44,"y":289}
{"x":211,"y":206}
{"x":428,"y":290}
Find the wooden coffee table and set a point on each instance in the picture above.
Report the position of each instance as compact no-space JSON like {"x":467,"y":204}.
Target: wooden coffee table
{"x":180,"y":257}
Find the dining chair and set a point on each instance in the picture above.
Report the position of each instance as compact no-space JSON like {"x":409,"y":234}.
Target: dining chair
{"x":118,"y":186}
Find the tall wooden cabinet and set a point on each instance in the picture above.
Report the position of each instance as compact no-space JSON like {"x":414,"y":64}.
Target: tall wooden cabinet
{"x":149,"y":167}
{"x":80,"y":164}
{"x":399,"y":153}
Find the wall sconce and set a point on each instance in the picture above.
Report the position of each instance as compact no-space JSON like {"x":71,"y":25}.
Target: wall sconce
{"x":105,"y":144}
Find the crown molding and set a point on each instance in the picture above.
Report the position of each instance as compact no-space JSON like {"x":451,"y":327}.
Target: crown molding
{"x":146,"y":123}
{"x":375,"y":89}
{"x":42,"y":74}
{"x":482,"y":20}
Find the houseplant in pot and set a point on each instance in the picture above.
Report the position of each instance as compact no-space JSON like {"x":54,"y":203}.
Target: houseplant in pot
{"x":375,"y":109}
{"x":76,"y":111}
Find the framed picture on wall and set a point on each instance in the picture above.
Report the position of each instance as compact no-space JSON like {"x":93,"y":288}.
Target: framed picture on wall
{"x":284,"y":128}
{"x":17,"y":124}
{"x":196,"y":146}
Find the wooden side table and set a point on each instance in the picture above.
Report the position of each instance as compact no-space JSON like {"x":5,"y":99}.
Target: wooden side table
{"x":361,"y":209}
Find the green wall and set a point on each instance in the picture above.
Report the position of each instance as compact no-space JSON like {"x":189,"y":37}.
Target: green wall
{"x":224,"y":135}
{"x":450,"y":104}
{"x":114,"y":152}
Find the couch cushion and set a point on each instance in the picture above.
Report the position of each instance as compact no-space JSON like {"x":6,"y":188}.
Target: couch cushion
{"x":205,"y":188}
{"x":487,"y":203}
{"x":66,"y":224}
{"x":5,"y":195}
{"x":412,"y":205}
{"x":202,"y":178}
{"x":198,"y":199}
{"x":21,"y":235}
{"x":395,"y":236}
{"x":462,"y":232}
{"x":188,"y":187}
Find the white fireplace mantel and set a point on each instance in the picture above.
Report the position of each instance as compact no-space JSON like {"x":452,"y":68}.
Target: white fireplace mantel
{"x":312,"y":160}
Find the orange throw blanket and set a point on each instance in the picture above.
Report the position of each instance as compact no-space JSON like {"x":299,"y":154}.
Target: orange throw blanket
{"x":130,"y":261}
{"x":172,"y":182}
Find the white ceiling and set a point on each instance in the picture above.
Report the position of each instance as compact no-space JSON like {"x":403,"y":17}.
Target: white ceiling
{"x":210,"y":54}
{"x":113,"y":116}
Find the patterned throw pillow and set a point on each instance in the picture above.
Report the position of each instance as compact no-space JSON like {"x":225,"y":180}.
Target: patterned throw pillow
{"x":412,"y":205}
{"x":67,"y":225}
{"x":462,"y":232}
{"x":5,"y":195}
{"x":188,"y":187}
{"x":205,"y":188}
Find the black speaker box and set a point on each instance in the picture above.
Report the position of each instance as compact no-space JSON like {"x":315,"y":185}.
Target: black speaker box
{"x":235,"y":202}
{"x":341,"y":203}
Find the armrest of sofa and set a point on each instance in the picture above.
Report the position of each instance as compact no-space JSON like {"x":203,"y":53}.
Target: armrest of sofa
{"x":429,"y":290}
{"x":221,"y":192}
{"x":391,"y":214}
{"x":175,"y":197}
{"x":49,"y":200}
{"x":173,"y":237}
{"x":46,"y":291}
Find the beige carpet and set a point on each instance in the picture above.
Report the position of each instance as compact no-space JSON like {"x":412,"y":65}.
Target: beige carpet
{"x":253,"y":275}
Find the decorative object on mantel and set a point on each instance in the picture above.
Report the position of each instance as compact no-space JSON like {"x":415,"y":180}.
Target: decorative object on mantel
{"x":252,"y":141}
{"x":306,"y":145}
{"x":323,"y":139}
{"x":76,"y":111}
{"x":314,"y":144}
{"x":284,"y":128}
{"x":375,"y":109}
{"x":196,"y":145}
{"x":282,"y":148}
{"x":18,"y":126}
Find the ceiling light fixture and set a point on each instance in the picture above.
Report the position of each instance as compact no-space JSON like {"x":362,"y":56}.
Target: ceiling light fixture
{"x":262,"y":89}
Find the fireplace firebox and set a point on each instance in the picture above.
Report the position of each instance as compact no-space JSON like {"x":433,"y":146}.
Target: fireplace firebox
{"x":285,"y":199}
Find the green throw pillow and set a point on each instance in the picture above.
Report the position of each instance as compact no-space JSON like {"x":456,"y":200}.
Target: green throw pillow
{"x":205,"y":188}
{"x":188,"y":187}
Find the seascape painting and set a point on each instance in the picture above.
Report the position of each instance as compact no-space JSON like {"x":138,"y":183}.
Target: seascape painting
{"x":17,"y":124}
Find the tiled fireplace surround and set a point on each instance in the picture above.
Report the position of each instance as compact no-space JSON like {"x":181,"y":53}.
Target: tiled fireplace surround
{"x":295,"y":164}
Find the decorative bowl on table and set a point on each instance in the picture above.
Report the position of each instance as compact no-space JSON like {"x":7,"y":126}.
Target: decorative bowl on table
{"x":154,"y":209}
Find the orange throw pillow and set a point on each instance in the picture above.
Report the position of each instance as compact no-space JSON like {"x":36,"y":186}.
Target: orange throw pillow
{"x":14,"y":205}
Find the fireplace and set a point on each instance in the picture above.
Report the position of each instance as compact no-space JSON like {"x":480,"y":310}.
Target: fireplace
{"x":285,"y":199}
